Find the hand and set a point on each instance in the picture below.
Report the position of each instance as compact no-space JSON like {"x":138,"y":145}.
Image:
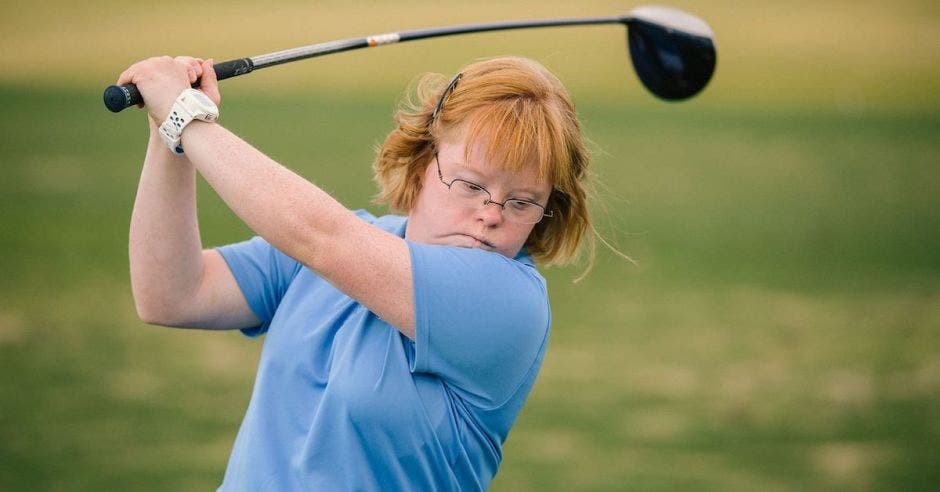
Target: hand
{"x":160,"y":80}
{"x":208,"y":84}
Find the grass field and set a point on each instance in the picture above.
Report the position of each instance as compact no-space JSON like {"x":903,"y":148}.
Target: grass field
{"x":781,"y":331}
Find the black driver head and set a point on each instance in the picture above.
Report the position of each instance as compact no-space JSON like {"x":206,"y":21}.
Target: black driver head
{"x":673,"y":52}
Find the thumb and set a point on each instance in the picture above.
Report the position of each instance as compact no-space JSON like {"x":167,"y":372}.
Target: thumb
{"x":209,"y":84}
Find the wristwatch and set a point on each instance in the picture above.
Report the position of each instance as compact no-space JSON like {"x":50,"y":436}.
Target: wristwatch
{"x":190,"y":105}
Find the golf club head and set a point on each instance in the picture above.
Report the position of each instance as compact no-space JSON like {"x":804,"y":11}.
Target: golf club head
{"x":673,"y":52}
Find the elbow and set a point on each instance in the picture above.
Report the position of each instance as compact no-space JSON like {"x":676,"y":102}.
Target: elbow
{"x":154,"y":312}
{"x":149,"y":314}
{"x":158,"y":301}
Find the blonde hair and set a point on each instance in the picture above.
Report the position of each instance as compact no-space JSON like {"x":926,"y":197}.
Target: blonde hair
{"x":524,"y":114}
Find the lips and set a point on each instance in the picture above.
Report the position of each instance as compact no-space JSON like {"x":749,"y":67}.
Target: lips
{"x":479,"y":242}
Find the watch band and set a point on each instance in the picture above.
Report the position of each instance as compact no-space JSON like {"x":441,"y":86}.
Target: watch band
{"x":190,"y":105}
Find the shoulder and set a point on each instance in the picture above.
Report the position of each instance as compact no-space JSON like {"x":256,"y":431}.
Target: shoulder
{"x":480,"y":282}
{"x":477,"y":261}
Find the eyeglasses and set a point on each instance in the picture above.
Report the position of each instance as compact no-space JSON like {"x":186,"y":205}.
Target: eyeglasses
{"x":475,"y":196}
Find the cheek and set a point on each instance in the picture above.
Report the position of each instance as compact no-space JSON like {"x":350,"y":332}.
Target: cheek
{"x":432,"y":212}
{"x":524,"y":234}
{"x":517,"y":236}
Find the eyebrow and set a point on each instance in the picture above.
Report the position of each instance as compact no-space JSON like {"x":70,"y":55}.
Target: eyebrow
{"x":533,"y":194}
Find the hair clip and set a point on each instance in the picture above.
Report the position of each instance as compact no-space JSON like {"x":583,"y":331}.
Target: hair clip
{"x":450,"y":88}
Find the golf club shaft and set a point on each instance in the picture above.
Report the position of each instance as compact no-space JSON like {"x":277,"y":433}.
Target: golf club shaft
{"x":117,"y":98}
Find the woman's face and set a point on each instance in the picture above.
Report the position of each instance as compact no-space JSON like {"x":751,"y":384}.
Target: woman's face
{"x":440,"y":217}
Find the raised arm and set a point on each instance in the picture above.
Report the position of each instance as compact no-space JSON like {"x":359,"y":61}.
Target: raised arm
{"x":291,"y":213}
{"x":175,"y":282}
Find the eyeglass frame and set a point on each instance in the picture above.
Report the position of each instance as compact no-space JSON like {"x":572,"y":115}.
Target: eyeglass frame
{"x":486,"y":201}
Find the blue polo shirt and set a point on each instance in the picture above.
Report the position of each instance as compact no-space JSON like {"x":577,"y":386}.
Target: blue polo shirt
{"x":343,"y":401}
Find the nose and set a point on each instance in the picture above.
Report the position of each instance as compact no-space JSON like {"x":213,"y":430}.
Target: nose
{"x":491,"y":214}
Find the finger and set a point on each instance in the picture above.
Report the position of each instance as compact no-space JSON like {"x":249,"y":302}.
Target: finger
{"x":188,"y":60}
{"x":196,"y":64}
{"x":127,"y":75}
{"x":209,"y":83}
{"x":191,"y":64}
{"x":138,"y":69}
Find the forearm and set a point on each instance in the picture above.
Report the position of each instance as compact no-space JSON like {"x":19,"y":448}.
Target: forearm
{"x":296,"y":217}
{"x":304,"y":222}
{"x":291,"y":213}
{"x":165,"y":248}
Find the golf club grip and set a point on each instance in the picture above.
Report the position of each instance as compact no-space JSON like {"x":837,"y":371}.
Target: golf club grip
{"x":119,"y":97}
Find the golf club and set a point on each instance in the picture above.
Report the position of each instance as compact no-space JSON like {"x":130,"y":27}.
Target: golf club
{"x":673,"y":52}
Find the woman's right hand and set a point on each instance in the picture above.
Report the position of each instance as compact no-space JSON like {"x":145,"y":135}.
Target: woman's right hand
{"x":160,"y":81}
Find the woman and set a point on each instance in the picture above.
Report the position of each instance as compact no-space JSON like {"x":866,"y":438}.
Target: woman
{"x":399,"y":349}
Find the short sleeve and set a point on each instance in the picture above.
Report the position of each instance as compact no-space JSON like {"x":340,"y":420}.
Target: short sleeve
{"x":481,"y":320}
{"x":263,"y":274}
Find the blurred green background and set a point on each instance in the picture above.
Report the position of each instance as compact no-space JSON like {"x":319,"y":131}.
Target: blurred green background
{"x":780,"y":332}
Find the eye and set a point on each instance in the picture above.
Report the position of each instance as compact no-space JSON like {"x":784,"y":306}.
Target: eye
{"x":467,"y":187}
{"x":520,"y":205}
{"x":473,"y":187}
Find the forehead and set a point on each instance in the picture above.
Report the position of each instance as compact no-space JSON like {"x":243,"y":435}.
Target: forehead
{"x":478,"y":156}
{"x":511,"y":134}
{"x":471,"y":162}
